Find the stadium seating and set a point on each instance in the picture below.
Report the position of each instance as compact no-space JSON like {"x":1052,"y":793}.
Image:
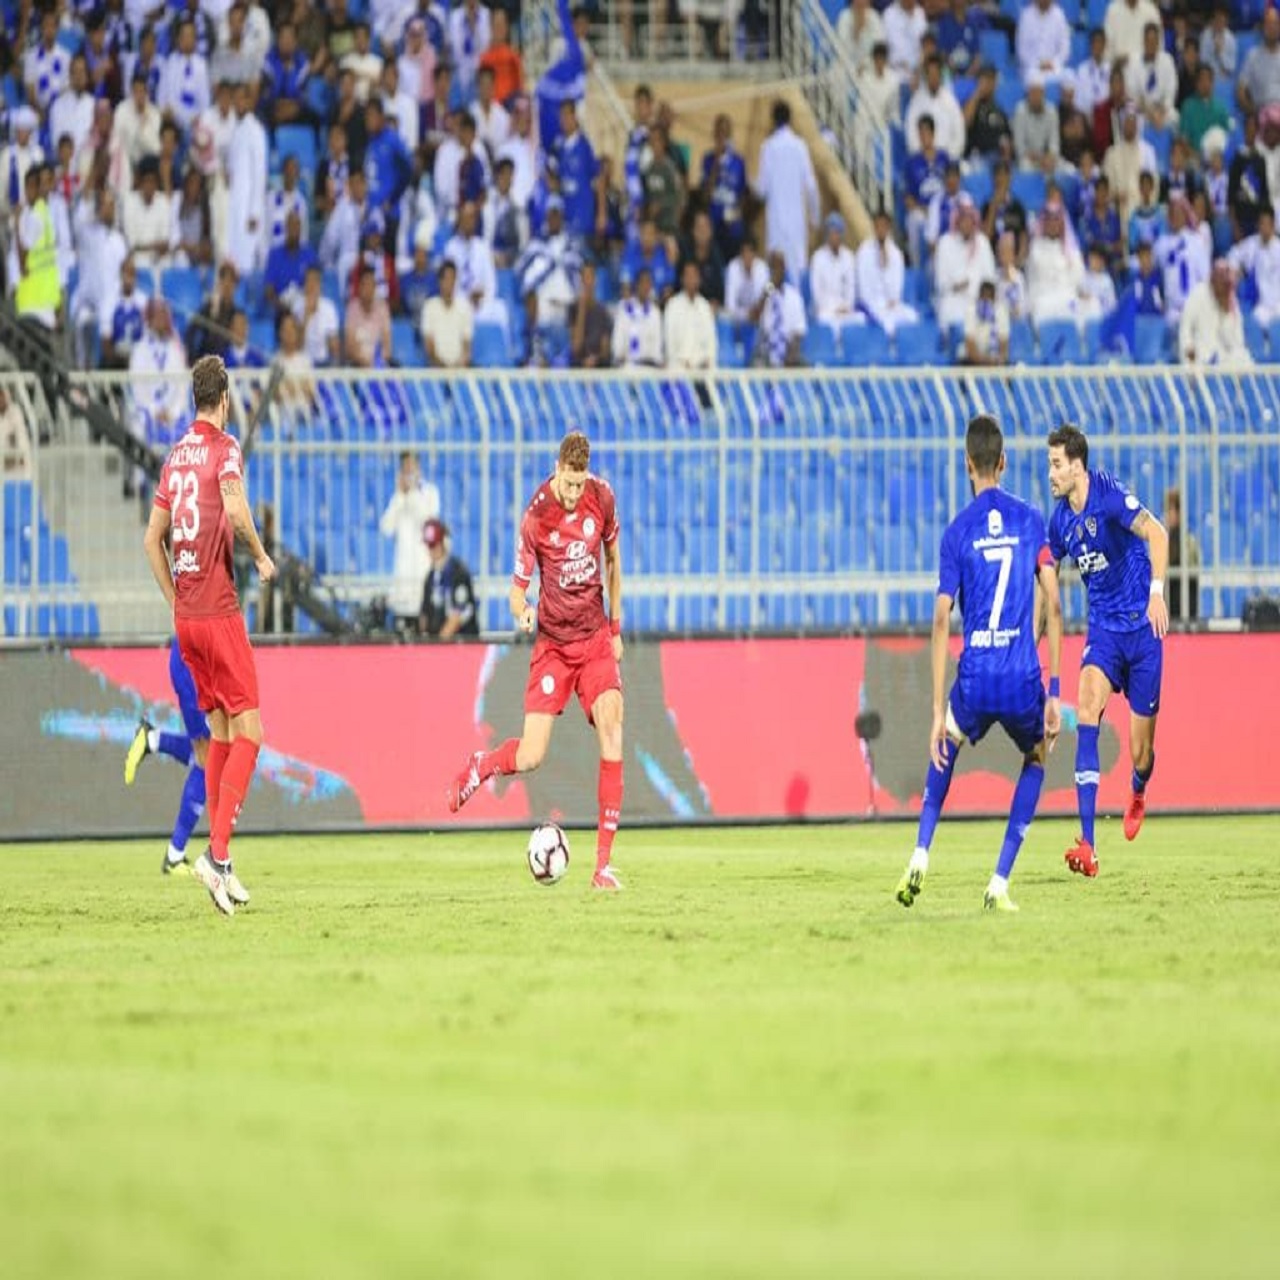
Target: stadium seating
{"x":37,"y":567}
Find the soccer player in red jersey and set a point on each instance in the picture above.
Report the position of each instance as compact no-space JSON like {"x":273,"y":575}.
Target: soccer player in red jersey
{"x":568,"y":528}
{"x":200,"y":506}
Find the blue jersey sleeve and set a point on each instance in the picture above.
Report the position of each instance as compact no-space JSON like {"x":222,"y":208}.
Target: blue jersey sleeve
{"x":949,"y":566}
{"x":1119,"y":505}
{"x":1057,"y":543}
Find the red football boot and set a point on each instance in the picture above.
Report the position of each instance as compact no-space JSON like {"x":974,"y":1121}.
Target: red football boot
{"x":1134,"y":814}
{"x":1082,"y":859}
{"x":606,"y":878}
{"x":465,"y":785}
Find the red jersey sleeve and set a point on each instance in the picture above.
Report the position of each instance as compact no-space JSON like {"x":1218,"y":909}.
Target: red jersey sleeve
{"x":162,"y":499}
{"x":232,"y":464}
{"x":526,"y":550}
{"x":609,"y":512}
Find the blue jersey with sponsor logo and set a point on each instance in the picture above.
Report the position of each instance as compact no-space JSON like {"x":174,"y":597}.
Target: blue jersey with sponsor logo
{"x":1112,"y":559}
{"x":991,"y":553}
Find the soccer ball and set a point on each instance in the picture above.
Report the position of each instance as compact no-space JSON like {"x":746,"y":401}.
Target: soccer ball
{"x":548,"y":853}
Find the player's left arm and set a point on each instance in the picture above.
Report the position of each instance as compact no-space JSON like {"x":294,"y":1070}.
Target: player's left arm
{"x":155,"y":542}
{"x":1050,"y":598}
{"x":1156,"y":536}
{"x":613,"y":586}
{"x":939,"y":644}
{"x":236,"y":504}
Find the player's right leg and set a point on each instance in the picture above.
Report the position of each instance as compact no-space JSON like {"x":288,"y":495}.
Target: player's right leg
{"x":215,"y":764}
{"x":515,"y":755}
{"x":937,"y":783}
{"x":606,"y":715}
{"x":1095,"y":689}
{"x":550,"y":685}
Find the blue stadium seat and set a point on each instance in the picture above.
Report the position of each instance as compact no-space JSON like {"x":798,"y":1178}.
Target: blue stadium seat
{"x":1060,"y":343}
{"x":1256,"y":340}
{"x":1028,"y":188}
{"x":1151,"y":340}
{"x":993,"y":47}
{"x":184,"y":288}
{"x":979,"y":185}
{"x":865,"y":346}
{"x":1022,"y":343}
{"x":406,"y":353}
{"x":489,"y":347}
{"x":1009,"y":93}
{"x":262,"y":338}
{"x":297,"y":140}
{"x":820,"y":346}
{"x":917,"y":344}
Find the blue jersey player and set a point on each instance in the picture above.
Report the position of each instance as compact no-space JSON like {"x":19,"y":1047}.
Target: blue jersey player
{"x":993,"y":555}
{"x":1122,"y":552}
{"x":182,"y":747}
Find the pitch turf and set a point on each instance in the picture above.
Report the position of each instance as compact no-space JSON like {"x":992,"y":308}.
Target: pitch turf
{"x":407,"y":1059}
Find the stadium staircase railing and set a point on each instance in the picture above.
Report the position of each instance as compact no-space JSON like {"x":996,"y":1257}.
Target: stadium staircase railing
{"x":814,"y":57}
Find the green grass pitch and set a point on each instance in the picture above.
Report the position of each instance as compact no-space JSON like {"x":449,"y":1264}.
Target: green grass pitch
{"x":406,"y":1059}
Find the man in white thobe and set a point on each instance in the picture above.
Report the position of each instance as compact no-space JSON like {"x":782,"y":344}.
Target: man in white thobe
{"x":247,"y":197}
{"x":789,"y":190}
{"x":1211,"y":331}
{"x":1259,"y":256}
{"x":1044,"y":41}
{"x":936,"y":100}
{"x":745,"y":282}
{"x":414,"y":502}
{"x":964,"y":260}
{"x":689,"y":325}
{"x":833,"y":283}
{"x":470,"y":253}
{"x":881,"y":273}
{"x":184,"y":81}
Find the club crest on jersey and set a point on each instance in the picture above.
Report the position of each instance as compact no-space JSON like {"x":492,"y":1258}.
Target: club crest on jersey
{"x":995,"y":524}
{"x":1092,"y":525}
{"x":588,"y":526}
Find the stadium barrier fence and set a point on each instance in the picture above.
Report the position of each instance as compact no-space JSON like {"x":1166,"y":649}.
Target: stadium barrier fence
{"x":366,"y":736}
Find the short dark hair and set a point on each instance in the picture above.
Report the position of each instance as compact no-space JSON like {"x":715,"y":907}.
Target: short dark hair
{"x":781,"y":114}
{"x":575,"y":451}
{"x":1071,"y":440}
{"x":984,"y":444}
{"x":208,"y":382}
{"x":926,"y":119}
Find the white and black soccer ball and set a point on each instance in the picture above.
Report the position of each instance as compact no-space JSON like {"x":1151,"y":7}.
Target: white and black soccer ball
{"x":548,"y":853}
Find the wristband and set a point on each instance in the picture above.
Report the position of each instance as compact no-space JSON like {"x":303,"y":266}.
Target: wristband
{"x":1157,"y":587}
{"x":1055,"y":686}
{"x":615,"y":626}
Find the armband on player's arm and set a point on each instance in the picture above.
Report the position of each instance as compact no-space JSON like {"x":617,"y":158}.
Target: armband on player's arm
{"x":615,"y":626}
{"x":1055,"y":686}
{"x":1157,"y":587}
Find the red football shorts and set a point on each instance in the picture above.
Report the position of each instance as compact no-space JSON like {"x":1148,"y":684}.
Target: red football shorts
{"x":586,"y":667}
{"x":217,"y":651}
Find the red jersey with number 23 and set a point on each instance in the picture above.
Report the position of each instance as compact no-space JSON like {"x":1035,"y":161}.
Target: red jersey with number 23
{"x":566,"y":547}
{"x":190,"y":490}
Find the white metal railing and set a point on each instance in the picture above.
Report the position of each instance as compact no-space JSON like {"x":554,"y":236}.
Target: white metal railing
{"x":750,"y":500}
{"x":813,"y":54}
